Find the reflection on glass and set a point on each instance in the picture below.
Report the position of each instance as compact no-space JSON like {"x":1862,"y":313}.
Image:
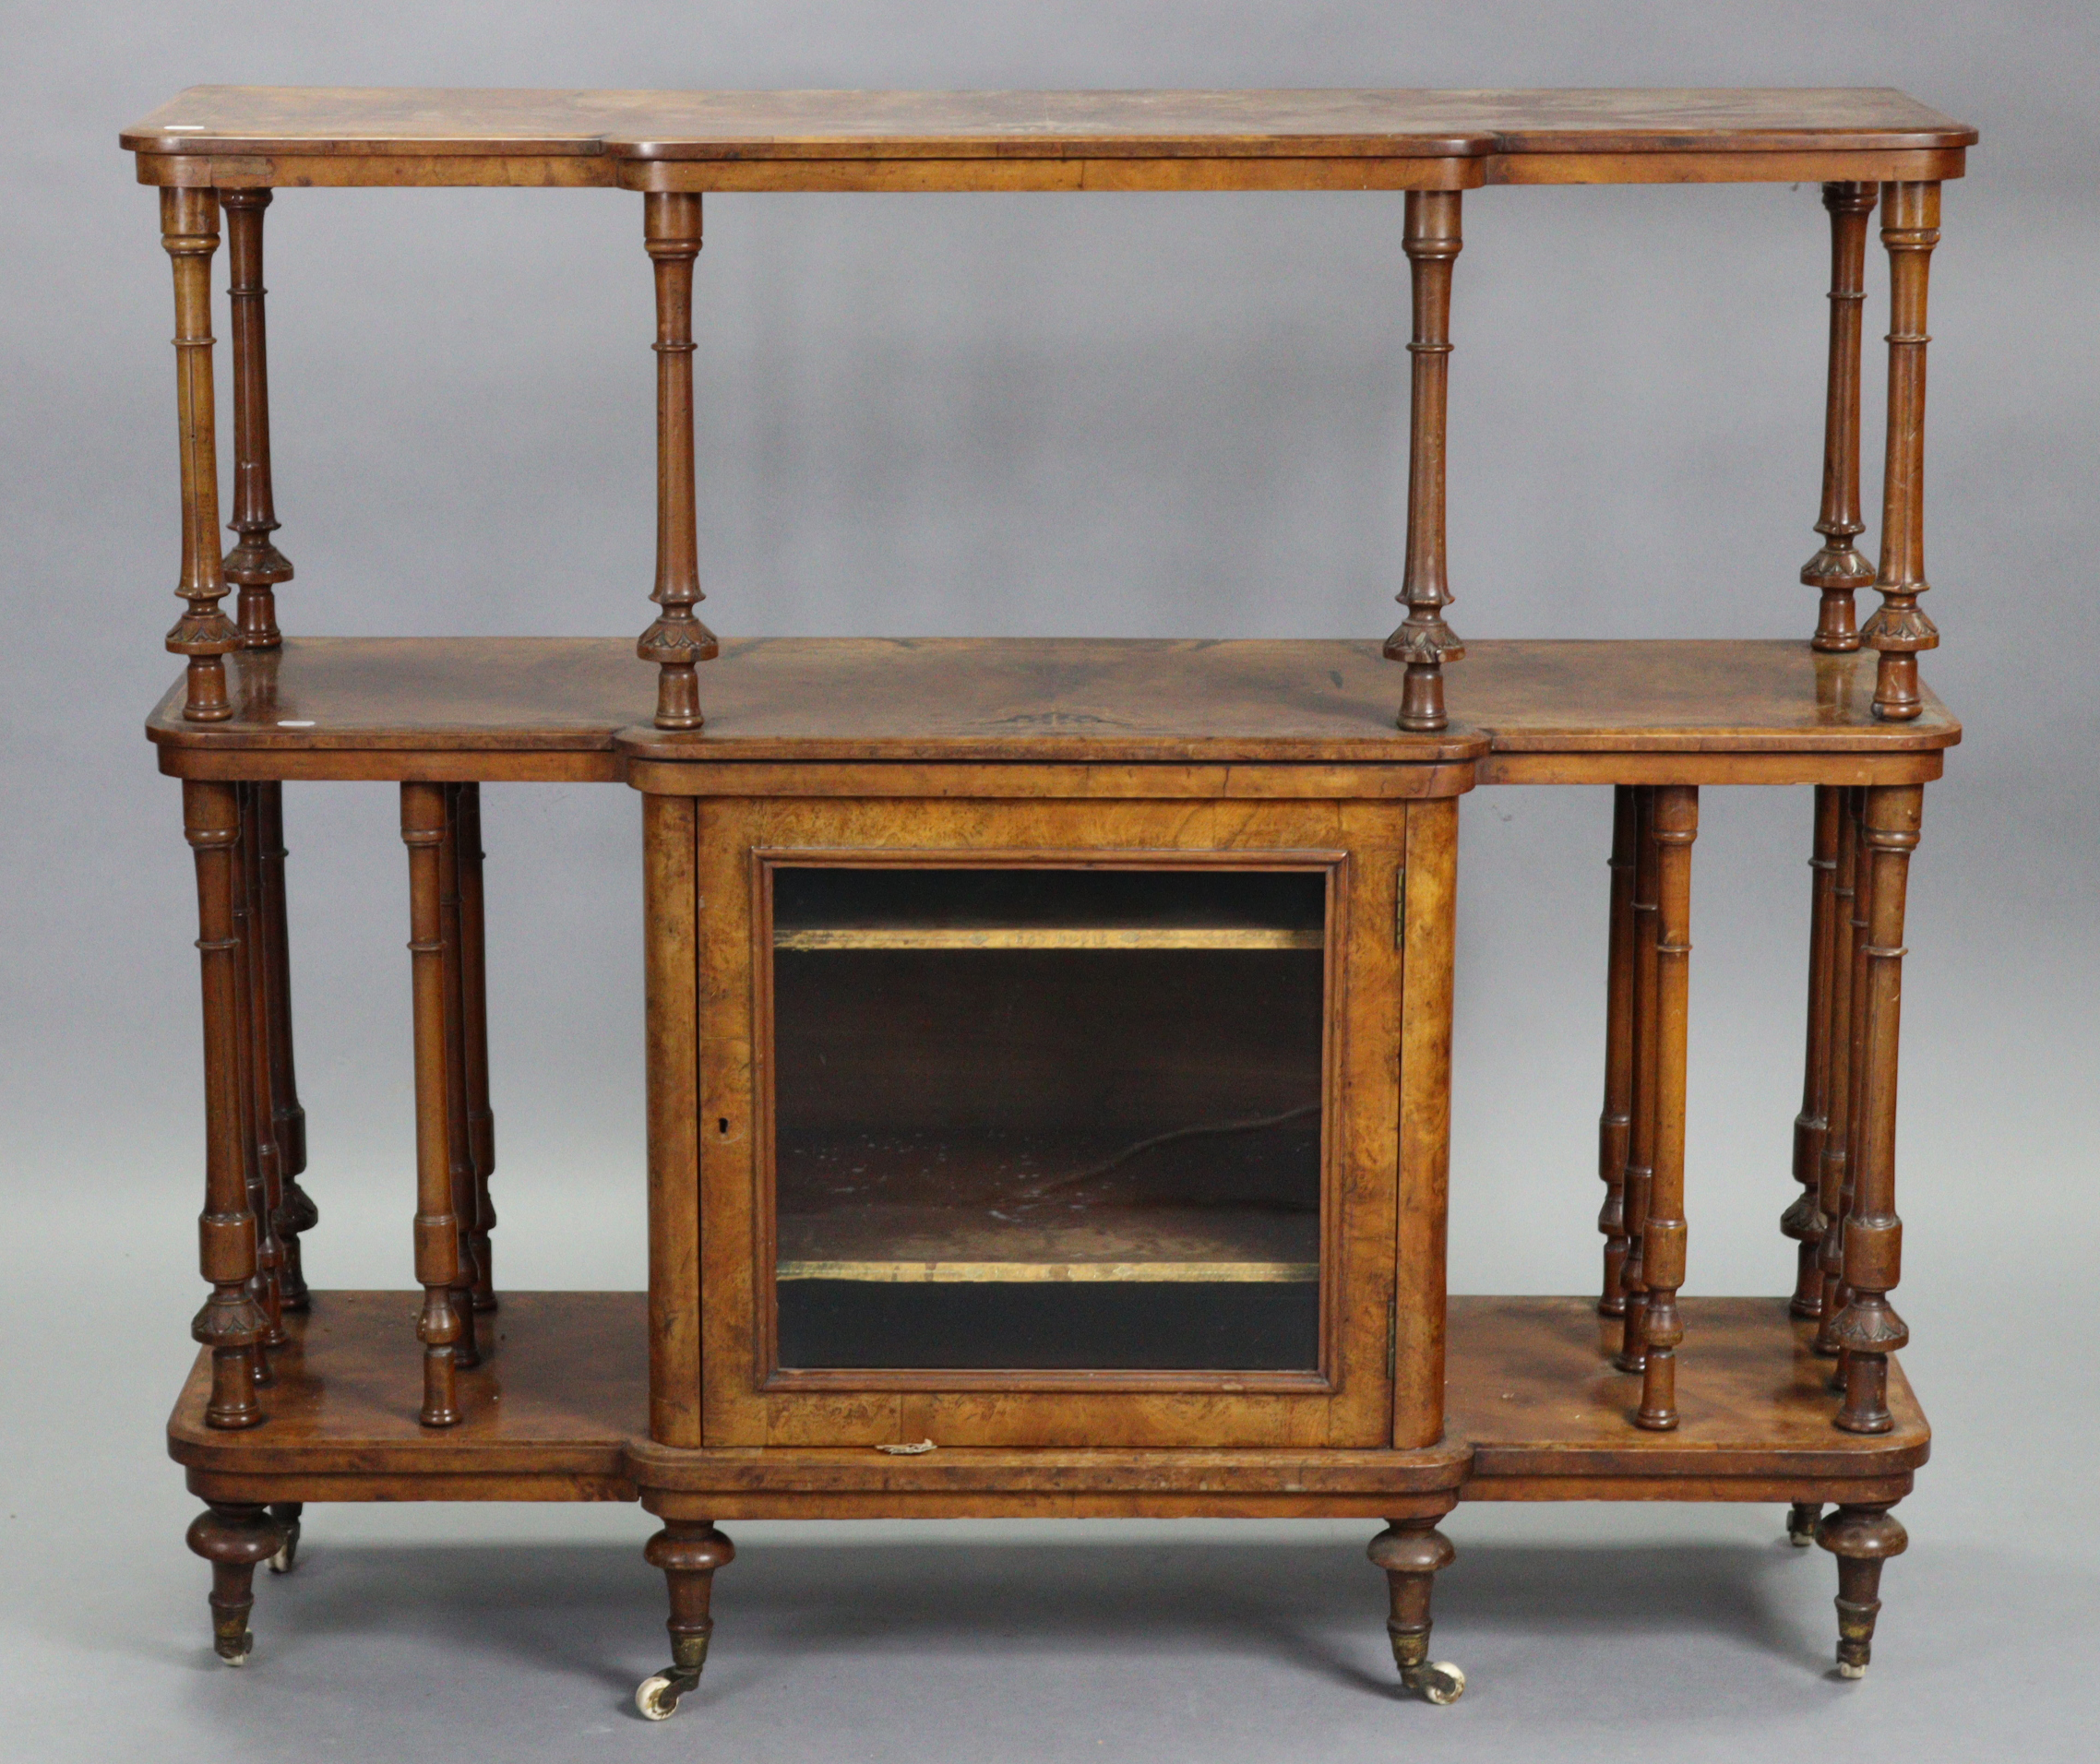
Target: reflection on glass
{"x":1048,"y":1119}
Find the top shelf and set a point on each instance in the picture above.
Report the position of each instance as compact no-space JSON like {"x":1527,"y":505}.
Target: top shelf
{"x":234,"y":135}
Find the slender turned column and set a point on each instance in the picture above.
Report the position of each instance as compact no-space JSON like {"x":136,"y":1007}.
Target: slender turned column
{"x":255,"y":565}
{"x":1640,"y":1151}
{"x":473,"y":987}
{"x":1412,"y":1551}
{"x":1838,"y":569}
{"x":1855,"y":1064}
{"x":1803,"y":1220}
{"x":1862,"y":1538}
{"x":459,"y":1162}
{"x":266,"y":1188}
{"x":677,"y":642}
{"x":230,"y":1324}
{"x":1615,"y":1125}
{"x":689,"y":1551}
{"x":436,"y":1225}
{"x":1663,"y":1233}
{"x":1835,"y":1187}
{"x":1869,"y":1329}
{"x":1424,"y":641}
{"x":189,"y":231}
{"x":288,"y":1120}
{"x":1899,"y":628}
{"x":233,"y":1537}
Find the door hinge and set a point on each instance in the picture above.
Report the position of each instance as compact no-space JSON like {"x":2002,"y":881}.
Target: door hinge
{"x":1392,"y":1337}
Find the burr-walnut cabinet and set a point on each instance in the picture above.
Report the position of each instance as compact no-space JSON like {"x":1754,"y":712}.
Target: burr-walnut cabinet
{"x":1049,"y":1040}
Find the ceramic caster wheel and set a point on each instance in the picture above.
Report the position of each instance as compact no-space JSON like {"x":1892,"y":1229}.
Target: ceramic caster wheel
{"x":1847,"y":1669}
{"x":1439,"y":1681}
{"x":657,"y":1698}
{"x":287,"y":1558}
{"x":240,"y":1659}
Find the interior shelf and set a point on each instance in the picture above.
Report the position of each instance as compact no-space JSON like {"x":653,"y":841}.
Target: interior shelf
{"x":1228,"y":1205}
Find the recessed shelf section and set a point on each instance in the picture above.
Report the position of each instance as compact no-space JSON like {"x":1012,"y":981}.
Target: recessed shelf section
{"x":1092,"y":1139}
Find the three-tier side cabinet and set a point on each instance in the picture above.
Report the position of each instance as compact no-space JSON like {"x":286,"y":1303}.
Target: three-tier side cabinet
{"x":1049,"y":1040}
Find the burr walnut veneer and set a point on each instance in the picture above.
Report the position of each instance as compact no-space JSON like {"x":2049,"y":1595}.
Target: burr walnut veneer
{"x":1049,"y":1040}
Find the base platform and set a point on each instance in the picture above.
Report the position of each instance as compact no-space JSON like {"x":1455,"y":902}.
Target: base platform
{"x":558,"y":1411}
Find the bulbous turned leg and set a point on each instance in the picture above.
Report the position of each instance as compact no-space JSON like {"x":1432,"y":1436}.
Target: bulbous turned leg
{"x":689,"y":1551}
{"x":1801,"y":1519}
{"x":286,"y":1513}
{"x":1411,"y":1551}
{"x":1862,"y":1538}
{"x":233,"y":1537}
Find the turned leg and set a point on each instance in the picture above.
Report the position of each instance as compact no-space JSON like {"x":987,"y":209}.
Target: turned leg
{"x":1640,"y":1143}
{"x":689,"y":1551}
{"x":1663,"y":1233}
{"x":436,"y":1224}
{"x":474,"y":1005}
{"x":459,"y":1162}
{"x":1848,"y":957}
{"x":298,"y":1214}
{"x":230,"y":1324}
{"x":1898,"y":628}
{"x":1869,"y":1330}
{"x":1424,"y":642}
{"x":677,"y":642}
{"x":1614,"y":1125}
{"x":1411,"y":1551}
{"x":286,"y":1513}
{"x":1839,"y":569}
{"x":1801,"y":1519}
{"x":189,"y":231}
{"x":233,"y":1536}
{"x":1804,"y":1222}
{"x":1862,"y":1538}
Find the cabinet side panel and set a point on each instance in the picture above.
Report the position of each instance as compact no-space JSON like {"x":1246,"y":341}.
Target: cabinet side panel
{"x":1430,"y":916}
{"x":671,"y":976}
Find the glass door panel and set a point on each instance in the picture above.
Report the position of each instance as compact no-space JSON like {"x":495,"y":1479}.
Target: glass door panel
{"x":1048,"y":1118}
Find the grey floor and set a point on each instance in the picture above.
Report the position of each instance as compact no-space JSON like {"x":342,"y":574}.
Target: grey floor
{"x":413,"y":1632}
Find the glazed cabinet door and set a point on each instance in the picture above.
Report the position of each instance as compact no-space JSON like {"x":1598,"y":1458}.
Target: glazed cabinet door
{"x":1052,"y":1123}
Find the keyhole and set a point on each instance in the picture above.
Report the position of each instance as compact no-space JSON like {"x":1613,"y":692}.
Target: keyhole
{"x":722,"y":1123}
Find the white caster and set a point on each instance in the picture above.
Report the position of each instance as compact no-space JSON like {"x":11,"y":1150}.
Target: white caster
{"x":656,"y":1698}
{"x":1847,"y":1669}
{"x":1439,"y":1681}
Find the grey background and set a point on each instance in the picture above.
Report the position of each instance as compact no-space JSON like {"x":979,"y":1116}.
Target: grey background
{"x":1115,"y":415}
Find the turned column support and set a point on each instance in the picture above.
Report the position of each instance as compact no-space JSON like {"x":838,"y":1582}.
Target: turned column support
{"x":1640,"y":1143}
{"x":1412,"y":1552}
{"x":689,"y":1551}
{"x":677,"y":642}
{"x":233,"y":1537}
{"x":1898,"y":628}
{"x":255,"y":565}
{"x":297,"y":1213}
{"x":1424,"y":642}
{"x":230,"y":1324}
{"x":1869,"y":1330}
{"x":189,"y":233}
{"x":1862,"y":1538}
{"x":1833,"y":1188}
{"x":1663,"y":1233}
{"x":1614,"y":1125}
{"x":258,"y":1142}
{"x":438,"y":1264}
{"x":458,"y":1159}
{"x":1803,"y":1222}
{"x":473,"y":1005}
{"x":1839,"y":568}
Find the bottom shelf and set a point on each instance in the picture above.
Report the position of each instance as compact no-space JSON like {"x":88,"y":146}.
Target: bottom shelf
{"x":558,"y":1411}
